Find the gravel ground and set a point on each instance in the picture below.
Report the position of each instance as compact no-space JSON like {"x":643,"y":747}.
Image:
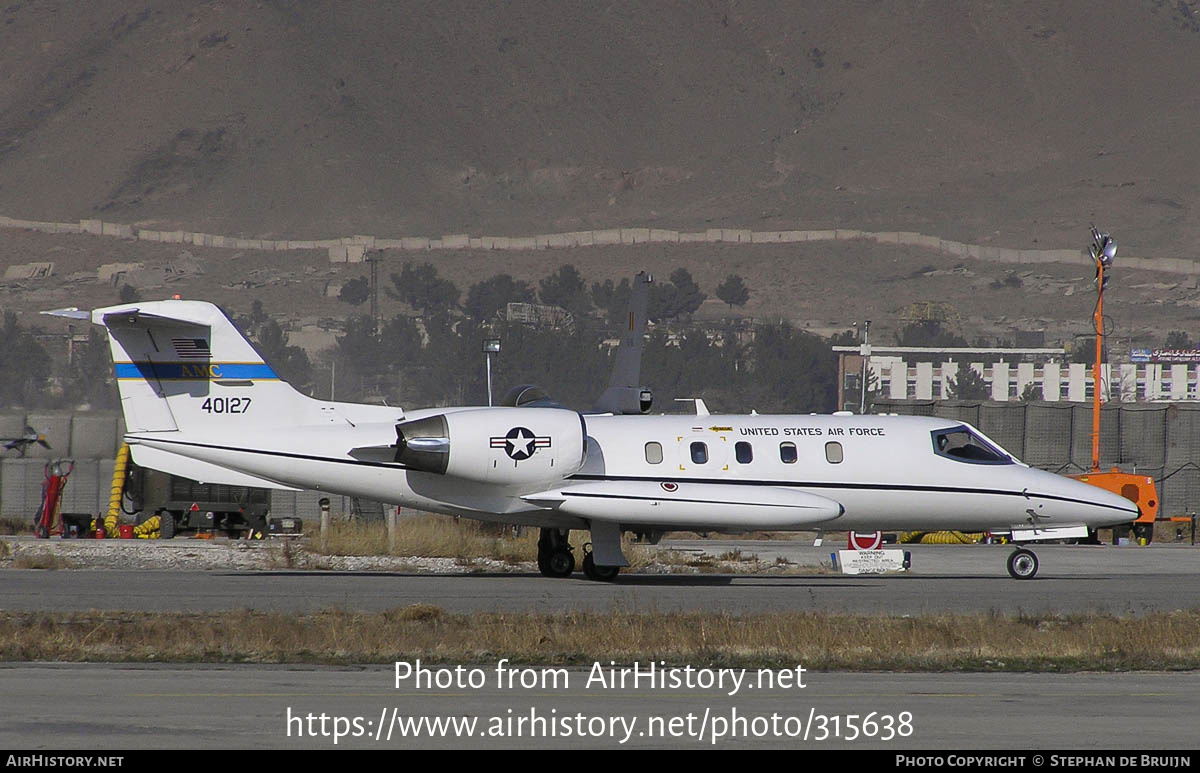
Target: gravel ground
{"x":275,"y":554}
{"x":222,"y":554}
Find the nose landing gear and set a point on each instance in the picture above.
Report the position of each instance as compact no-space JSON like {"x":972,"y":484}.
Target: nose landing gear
{"x":1022,"y":564}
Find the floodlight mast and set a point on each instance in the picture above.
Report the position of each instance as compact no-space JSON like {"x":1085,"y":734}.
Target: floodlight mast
{"x":1103,"y":249}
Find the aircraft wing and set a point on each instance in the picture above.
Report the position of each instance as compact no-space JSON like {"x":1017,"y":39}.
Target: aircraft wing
{"x":688,"y":505}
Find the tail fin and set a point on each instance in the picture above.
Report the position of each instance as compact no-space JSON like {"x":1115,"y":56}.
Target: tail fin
{"x":182,"y":364}
{"x":625,"y":394}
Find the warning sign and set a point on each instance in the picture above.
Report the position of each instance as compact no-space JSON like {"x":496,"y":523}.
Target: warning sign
{"x":872,"y":561}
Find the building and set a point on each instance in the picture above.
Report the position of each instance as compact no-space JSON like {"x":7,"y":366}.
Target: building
{"x":926,"y":373}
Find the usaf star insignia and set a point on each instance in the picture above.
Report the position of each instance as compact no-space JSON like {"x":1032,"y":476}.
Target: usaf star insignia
{"x":520,"y":443}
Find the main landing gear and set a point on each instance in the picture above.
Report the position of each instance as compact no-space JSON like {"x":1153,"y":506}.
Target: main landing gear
{"x":1022,"y":564}
{"x":594,"y":572}
{"x":557,"y":559}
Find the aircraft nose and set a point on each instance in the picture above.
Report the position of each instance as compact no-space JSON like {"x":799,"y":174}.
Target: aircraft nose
{"x":1097,"y":506}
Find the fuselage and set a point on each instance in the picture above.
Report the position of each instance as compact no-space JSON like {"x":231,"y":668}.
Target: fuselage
{"x":883,"y":472}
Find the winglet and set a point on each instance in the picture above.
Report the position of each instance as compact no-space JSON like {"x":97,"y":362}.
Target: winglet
{"x":71,"y":312}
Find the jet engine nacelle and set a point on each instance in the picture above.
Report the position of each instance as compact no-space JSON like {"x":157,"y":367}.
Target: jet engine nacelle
{"x":495,"y":445}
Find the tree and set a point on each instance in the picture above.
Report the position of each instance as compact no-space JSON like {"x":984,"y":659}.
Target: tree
{"x":422,"y":288}
{"x":489,"y":296}
{"x":1031,"y":392}
{"x":566,"y":289}
{"x":678,"y":297}
{"x":929,"y":333}
{"x":689,"y":297}
{"x":794,"y":371}
{"x":844,"y":338}
{"x":291,"y":363}
{"x":733,"y":291}
{"x":1178,"y":340}
{"x":969,"y":385}
{"x":257,"y":317}
{"x":359,"y":348}
{"x":24,"y":364}
{"x":400,"y":341}
{"x":89,"y":376}
{"x":355,"y":292}
{"x":129,"y":294}
{"x":613,"y":298}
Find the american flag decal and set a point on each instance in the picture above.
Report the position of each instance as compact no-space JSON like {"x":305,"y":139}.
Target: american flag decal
{"x":192,"y":348}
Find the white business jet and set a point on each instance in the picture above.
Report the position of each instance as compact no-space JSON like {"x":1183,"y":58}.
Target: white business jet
{"x":200,"y":402}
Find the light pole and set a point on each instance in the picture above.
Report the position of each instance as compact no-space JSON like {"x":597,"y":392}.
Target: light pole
{"x":1103,"y":250}
{"x":490,"y":346}
{"x":865,"y":352}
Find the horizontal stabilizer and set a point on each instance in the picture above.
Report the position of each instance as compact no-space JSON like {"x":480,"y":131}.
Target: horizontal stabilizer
{"x":687,"y":505}
{"x":194,"y":469}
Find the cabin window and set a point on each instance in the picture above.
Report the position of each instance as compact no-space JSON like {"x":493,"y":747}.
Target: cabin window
{"x":744,"y":452}
{"x":833,"y":452}
{"x":787,"y":453}
{"x":699,"y":453}
{"x":963,"y":445}
{"x":654,"y":453}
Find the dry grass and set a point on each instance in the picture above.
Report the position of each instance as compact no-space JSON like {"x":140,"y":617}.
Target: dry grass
{"x":13,"y":526}
{"x":430,"y":536}
{"x":991,"y":642}
{"x":438,"y":536}
{"x":40,"y":561}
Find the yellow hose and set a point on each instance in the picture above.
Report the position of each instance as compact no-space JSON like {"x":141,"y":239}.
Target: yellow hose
{"x":939,"y":538}
{"x":116,"y":492}
{"x":149,"y":529}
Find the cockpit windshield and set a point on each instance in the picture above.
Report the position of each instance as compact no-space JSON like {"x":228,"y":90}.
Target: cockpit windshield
{"x":963,"y":445}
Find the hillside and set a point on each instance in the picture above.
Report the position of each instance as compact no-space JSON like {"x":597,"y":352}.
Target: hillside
{"x":1015,"y":124}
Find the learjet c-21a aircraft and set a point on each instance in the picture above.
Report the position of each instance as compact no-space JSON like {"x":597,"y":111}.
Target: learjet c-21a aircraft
{"x":200,"y":402}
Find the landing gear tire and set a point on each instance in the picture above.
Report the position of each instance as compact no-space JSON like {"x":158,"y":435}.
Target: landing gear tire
{"x":554,"y":554}
{"x":560,"y":564}
{"x":166,"y":525}
{"x":598,"y":573}
{"x":1022,"y":564}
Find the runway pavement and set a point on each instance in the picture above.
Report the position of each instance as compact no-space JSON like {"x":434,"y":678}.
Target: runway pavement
{"x":97,"y":707}
{"x":1126,"y":580}
{"x":105,"y":706}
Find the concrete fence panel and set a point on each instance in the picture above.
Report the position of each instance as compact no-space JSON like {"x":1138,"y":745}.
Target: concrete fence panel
{"x":12,"y":425}
{"x":57,"y":429}
{"x":21,"y":487}
{"x":635,"y":235}
{"x":93,"y":435}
